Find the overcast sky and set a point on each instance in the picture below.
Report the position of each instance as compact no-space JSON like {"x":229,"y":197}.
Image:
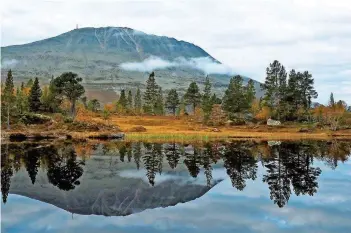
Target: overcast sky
{"x":247,"y":35}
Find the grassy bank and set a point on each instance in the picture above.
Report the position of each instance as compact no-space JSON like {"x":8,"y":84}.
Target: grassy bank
{"x":168,"y":128}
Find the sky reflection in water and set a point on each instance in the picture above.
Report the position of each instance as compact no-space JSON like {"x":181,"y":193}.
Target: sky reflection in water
{"x":223,"y":208}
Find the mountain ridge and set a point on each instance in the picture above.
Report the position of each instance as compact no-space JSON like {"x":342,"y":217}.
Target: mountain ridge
{"x":98,"y":55}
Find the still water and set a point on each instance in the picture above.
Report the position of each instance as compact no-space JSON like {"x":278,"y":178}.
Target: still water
{"x":116,"y":186}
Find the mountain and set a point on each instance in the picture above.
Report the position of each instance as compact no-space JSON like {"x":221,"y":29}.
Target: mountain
{"x":112,"y":58}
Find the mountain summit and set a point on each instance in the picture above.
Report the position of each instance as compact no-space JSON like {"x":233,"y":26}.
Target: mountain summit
{"x":114,"y":57}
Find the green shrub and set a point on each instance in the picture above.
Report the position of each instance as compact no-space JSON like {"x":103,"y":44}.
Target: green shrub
{"x":33,"y":118}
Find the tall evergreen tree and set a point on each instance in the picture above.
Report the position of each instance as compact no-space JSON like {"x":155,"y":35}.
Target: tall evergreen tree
{"x":159,"y":105}
{"x":130,"y":100}
{"x":137,"y":101}
{"x":234,"y":100}
{"x":250,"y":93}
{"x":172,"y":100}
{"x":8,"y":98}
{"x":275,"y":87}
{"x":207,"y":101}
{"x":308,"y":90}
{"x":29,"y":84}
{"x":34,"y":96}
{"x":151,"y":94}
{"x":331,"y":100}
{"x":193,"y":96}
{"x":123,"y":99}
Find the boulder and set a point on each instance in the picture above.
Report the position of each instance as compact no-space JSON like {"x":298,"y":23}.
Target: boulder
{"x":271,"y":122}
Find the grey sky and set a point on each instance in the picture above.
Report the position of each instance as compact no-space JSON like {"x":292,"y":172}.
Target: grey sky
{"x":244,"y":34}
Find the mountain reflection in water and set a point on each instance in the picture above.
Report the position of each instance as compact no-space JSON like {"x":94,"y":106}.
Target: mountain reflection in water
{"x":121,"y":178}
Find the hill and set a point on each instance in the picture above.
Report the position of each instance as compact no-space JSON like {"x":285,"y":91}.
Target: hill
{"x":112,"y":58}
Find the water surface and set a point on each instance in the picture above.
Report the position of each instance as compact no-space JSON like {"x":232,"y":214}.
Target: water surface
{"x":116,"y":186}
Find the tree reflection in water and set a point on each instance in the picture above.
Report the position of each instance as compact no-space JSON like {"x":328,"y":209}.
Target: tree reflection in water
{"x":287,"y":164}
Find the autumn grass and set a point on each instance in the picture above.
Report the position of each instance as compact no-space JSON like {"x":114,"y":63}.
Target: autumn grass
{"x":179,"y":129}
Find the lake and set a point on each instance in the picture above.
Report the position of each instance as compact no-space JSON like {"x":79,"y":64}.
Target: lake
{"x":118,"y":186}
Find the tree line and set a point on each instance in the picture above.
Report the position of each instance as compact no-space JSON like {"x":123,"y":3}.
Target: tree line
{"x":287,"y":97}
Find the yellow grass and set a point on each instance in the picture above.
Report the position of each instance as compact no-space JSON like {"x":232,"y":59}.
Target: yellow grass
{"x":184,"y":128}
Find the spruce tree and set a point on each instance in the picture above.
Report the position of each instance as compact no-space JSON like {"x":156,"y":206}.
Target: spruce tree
{"x":234,"y":100}
{"x":159,"y":105}
{"x":331,"y":100}
{"x":29,"y":84}
{"x":308,"y":90}
{"x":130,"y":100}
{"x":215,"y":99}
{"x":275,"y":88}
{"x":250,"y":93}
{"x":123,"y":99}
{"x":172,"y":101}
{"x":193,"y":96}
{"x":151,"y":93}
{"x":207,"y":101}
{"x":34,"y":97}
{"x":8,"y":98}
{"x":137,"y":101}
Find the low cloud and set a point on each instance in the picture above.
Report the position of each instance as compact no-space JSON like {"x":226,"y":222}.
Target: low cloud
{"x":204,"y":64}
{"x":9,"y":63}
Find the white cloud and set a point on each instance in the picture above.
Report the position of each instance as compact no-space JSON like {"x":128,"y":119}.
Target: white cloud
{"x":244,"y":34}
{"x":205,"y":64}
{"x":9,"y":63}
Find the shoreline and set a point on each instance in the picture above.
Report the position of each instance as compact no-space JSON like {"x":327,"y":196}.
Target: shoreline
{"x":177,"y":136}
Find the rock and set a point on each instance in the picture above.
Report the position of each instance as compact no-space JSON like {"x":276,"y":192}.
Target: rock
{"x":274,"y":143}
{"x":273,"y":122}
{"x":216,"y":130}
{"x":138,"y":128}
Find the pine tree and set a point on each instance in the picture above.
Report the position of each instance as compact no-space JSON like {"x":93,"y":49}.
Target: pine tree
{"x":215,"y":99}
{"x":250,"y":93}
{"x":207,"y":101}
{"x":234,"y":100}
{"x":130,"y":100}
{"x":182,"y":107}
{"x":137,"y":101}
{"x":123,"y":99}
{"x":159,"y":105}
{"x":8,"y":98}
{"x":67,"y":85}
{"x":34,"y":96}
{"x":172,"y":101}
{"x":275,"y":88}
{"x":308,"y":90}
{"x":331,"y":100}
{"x":29,"y":84}
{"x":193,"y":96}
{"x":151,"y":93}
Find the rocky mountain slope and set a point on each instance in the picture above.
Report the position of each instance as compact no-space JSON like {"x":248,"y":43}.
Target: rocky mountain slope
{"x":114,"y":58}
